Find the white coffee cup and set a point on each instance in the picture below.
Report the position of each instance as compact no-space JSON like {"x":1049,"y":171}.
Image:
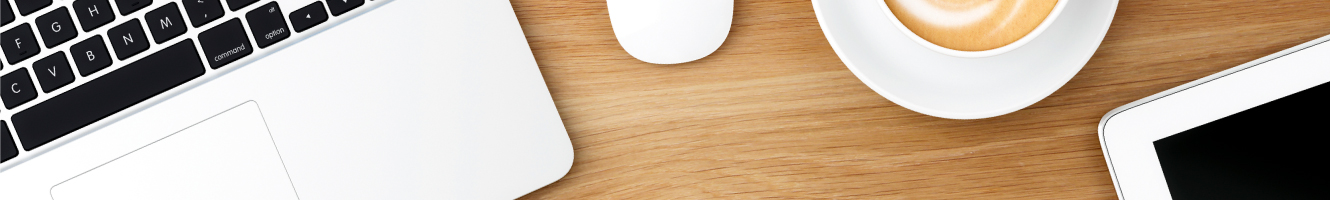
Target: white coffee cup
{"x":1057,"y":10}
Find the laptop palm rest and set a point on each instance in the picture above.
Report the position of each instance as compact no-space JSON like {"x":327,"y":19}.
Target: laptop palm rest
{"x":228,"y":156}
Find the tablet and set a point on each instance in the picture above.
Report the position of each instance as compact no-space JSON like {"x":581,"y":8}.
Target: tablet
{"x":1251,"y":132}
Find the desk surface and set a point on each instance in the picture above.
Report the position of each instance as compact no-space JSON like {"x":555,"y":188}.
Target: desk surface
{"x":774,"y":113}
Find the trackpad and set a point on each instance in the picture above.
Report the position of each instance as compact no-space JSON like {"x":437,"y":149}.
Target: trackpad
{"x":228,"y":156}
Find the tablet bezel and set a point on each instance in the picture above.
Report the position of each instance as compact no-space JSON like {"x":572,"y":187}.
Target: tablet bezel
{"x":1127,"y":133}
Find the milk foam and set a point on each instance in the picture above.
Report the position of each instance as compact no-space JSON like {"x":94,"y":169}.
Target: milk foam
{"x":971,"y":25}
{"x":941,"y":14}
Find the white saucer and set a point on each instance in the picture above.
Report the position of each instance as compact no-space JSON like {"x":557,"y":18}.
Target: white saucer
{"x":945,"y":86}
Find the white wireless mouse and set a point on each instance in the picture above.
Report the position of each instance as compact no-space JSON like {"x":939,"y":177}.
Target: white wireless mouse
{"x":670,"y":31}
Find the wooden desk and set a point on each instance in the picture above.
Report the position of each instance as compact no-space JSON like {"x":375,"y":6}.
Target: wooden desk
{"x":774,"y":113}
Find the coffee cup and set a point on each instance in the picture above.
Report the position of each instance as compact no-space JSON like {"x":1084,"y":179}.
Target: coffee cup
{"x":972,"y":28}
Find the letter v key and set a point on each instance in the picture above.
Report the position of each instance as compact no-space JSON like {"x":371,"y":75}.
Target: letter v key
{"x":55,"y":64}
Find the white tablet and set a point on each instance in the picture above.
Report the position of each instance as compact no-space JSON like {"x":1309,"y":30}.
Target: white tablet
{"x":1251,"y":132}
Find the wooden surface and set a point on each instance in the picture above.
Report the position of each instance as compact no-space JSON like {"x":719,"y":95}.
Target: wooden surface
{"x":774,"y":113}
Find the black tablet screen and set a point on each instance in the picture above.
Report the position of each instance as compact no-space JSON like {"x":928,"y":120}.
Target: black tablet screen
{"x":1273,"y":151}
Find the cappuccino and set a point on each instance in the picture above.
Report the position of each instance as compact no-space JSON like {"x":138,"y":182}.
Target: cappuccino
{"x":971,"y":25}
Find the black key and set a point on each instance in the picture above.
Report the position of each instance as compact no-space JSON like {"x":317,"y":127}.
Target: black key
{"x":127,"y":39}
{"x":26,"y":7}
{"x":165,"y":22}
{"x":16,"y":88}
{"x":341,"y":6}
{"x":131,"y":6}
{"x":107,"y":94}
{"x":6,"y":15}
{"x":7,"y":149}
{"x":304,"y":18}
{"x":56,"y":27}
{"x":90,"y":13}
{"x":267,"y":24}
{"x":203,"y":11}
{"x":237,"y":4}
{"x":53,"y":72}
{"x":19,"y":44}
{"x":225,"y":43}
{"x":90,"y":55}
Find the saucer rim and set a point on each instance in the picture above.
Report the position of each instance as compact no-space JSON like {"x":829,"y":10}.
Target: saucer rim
{"x":998,"y":110}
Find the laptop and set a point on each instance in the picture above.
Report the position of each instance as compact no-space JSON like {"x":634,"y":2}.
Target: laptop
{"x":264,"y":99}
{"x":1250,"y":132}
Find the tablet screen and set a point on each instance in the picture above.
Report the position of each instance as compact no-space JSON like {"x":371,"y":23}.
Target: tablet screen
{"x":1272,"y":151}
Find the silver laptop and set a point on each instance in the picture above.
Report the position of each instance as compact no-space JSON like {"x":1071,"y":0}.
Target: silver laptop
{"x":263,"y":99}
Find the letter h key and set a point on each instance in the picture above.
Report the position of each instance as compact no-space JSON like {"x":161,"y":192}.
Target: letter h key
{"x":93,"y":14}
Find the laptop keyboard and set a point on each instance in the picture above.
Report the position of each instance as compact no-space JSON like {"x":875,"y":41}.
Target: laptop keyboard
{"x":48,"y":98}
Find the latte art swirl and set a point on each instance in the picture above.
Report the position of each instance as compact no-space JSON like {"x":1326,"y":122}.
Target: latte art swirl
{"x":971,"y":25}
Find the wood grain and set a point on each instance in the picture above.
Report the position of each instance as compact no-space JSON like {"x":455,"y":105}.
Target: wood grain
{"x":775,"y":114}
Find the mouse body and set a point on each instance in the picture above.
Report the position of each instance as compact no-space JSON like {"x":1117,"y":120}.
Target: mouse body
{"x":670,"y":31}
